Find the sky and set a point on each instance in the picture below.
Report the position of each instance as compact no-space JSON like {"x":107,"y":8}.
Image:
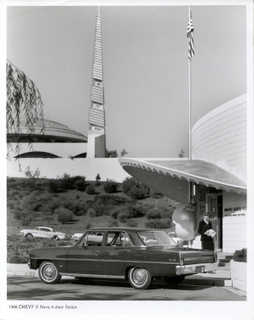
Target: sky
{"x":145,"y":68}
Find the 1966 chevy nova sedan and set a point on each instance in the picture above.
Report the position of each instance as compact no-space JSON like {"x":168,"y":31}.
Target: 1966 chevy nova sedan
{"x":138,"y":255}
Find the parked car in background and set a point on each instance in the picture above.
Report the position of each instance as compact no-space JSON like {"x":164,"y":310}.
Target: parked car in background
{"x":76,"y":236}
{"x":42,"y":232}
{"x":137,"y":255}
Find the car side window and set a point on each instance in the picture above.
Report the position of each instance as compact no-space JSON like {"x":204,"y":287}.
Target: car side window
{"x":118,"y":239}
{"x":92,"y":239}
{"x":44,"y":229}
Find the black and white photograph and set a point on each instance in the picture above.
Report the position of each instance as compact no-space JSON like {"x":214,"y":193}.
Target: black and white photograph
{"x":127,"y":152}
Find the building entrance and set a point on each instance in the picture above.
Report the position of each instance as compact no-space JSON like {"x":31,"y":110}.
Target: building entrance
{"x":214,"y":208}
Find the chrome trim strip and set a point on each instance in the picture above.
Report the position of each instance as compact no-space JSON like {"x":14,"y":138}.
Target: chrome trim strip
{"x":88,"y":275}
{"x":114,"y":260}
{"x":207,"y":264}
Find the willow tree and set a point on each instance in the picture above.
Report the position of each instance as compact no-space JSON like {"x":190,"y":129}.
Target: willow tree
{"x":24,"y":102}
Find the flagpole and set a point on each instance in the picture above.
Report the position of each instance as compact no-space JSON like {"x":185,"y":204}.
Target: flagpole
{"x":189,"y":100}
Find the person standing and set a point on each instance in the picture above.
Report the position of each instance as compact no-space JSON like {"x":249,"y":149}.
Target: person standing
{"x":206,"y":232}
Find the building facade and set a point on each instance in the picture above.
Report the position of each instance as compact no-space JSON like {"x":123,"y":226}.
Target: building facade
{"x":213,"y":181}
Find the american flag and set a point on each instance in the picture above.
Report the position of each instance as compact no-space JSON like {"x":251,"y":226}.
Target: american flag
{"x":190,"y":31}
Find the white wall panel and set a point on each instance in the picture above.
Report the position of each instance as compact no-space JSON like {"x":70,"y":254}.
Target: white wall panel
{"x":220,"y":137}
{"x":234,"y":233}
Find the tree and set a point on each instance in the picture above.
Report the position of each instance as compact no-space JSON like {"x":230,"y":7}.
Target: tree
{"x":24,"y":102}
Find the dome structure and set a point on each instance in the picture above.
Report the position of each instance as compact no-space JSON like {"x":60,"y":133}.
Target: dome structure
{"x":46,"y":131}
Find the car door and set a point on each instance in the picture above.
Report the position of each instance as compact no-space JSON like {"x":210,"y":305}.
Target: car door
{"x":84,"y":258}
{"x":44,"y":233}
{"x":115,"y":254}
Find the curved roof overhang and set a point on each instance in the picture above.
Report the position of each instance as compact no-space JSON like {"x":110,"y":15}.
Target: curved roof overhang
{"x":45,"y":131}
{"x":43,"y":137}
{"x":197,"y":171}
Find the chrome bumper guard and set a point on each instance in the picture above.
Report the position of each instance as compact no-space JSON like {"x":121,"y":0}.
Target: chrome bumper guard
{"x":195,"y":268}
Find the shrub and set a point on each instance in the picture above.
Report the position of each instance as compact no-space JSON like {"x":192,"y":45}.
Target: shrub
{"x":27,"y":220}
{"x":55,"y":186}
{"x":132,"y":223}
{"x":135,"y":189}
{"x":91,"y":212}
{"x":64,"y":215}
{"x":136,"y":211}
{"x":116,"y":212}
{"x":157,"y":195}
{"x":114,"y":223}
{"x":158,"y":224}
{"x":67,"y":183}
{"x":240,"y":255}
{"x":80,"y":184}
{"x":90,"y":189}
{"x":139,"y":192}
{"x":111,"y":199}
{"x":110,"y":186}
{"x":154,"y":213}
{"x":127,"y":184}
{"x":123,"y":216}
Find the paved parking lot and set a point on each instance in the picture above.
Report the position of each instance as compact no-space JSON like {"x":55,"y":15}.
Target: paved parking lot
{"x":21,"y":288}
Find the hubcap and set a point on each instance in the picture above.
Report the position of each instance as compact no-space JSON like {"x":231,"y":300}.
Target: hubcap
{"x":49,"y":272}
{"x":139,"y":276}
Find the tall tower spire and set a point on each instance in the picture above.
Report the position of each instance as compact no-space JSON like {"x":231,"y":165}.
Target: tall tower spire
{"x":96,"y":118}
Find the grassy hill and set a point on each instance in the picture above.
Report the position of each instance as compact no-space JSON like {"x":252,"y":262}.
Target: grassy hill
{"x":84,"y":204}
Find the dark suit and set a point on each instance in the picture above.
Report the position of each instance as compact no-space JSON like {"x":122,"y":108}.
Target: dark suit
{"x":207,"y":242}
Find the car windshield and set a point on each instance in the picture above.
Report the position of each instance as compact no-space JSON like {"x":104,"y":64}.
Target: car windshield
{"x":157,"y":238}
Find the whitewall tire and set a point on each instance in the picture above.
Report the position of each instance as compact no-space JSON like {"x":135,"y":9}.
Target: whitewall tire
{"x":48,"y":272}
{"x":139,"y":278}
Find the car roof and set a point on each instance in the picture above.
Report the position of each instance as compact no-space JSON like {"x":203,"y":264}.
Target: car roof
{"x":122,"y":229}
{"x":44,"y":227}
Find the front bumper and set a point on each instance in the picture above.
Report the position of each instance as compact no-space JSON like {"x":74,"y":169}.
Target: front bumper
{"x":195,"y":268}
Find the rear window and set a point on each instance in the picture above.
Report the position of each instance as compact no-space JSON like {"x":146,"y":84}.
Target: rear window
{"x":156,"y":238}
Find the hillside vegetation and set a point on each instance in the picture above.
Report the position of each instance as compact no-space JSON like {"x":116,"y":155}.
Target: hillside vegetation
{"x":72,"y":204}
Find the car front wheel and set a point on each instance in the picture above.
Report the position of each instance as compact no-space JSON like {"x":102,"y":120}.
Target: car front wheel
{"x":48,"y":272}
{"x":139,"y":278}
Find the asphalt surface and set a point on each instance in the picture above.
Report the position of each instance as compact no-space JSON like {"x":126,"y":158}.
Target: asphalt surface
{"x":20,"y":288}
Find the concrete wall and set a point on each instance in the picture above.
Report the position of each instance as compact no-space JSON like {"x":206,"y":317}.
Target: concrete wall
{"x":220,"y":137}
{"x":100,"y":146}
{"x":234,"y":226}
{"x":234,"y":233}
{"x":96,"y":144}
{"x":108,"y":168}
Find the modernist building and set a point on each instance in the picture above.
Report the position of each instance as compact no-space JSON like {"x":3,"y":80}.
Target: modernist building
{"x":214,"y":179}
{"x":47,"y":139}
{"x":51,"y":139}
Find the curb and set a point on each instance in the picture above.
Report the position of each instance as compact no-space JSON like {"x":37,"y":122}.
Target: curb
{"x":20,"y":270}
{"x":208,"y":280}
